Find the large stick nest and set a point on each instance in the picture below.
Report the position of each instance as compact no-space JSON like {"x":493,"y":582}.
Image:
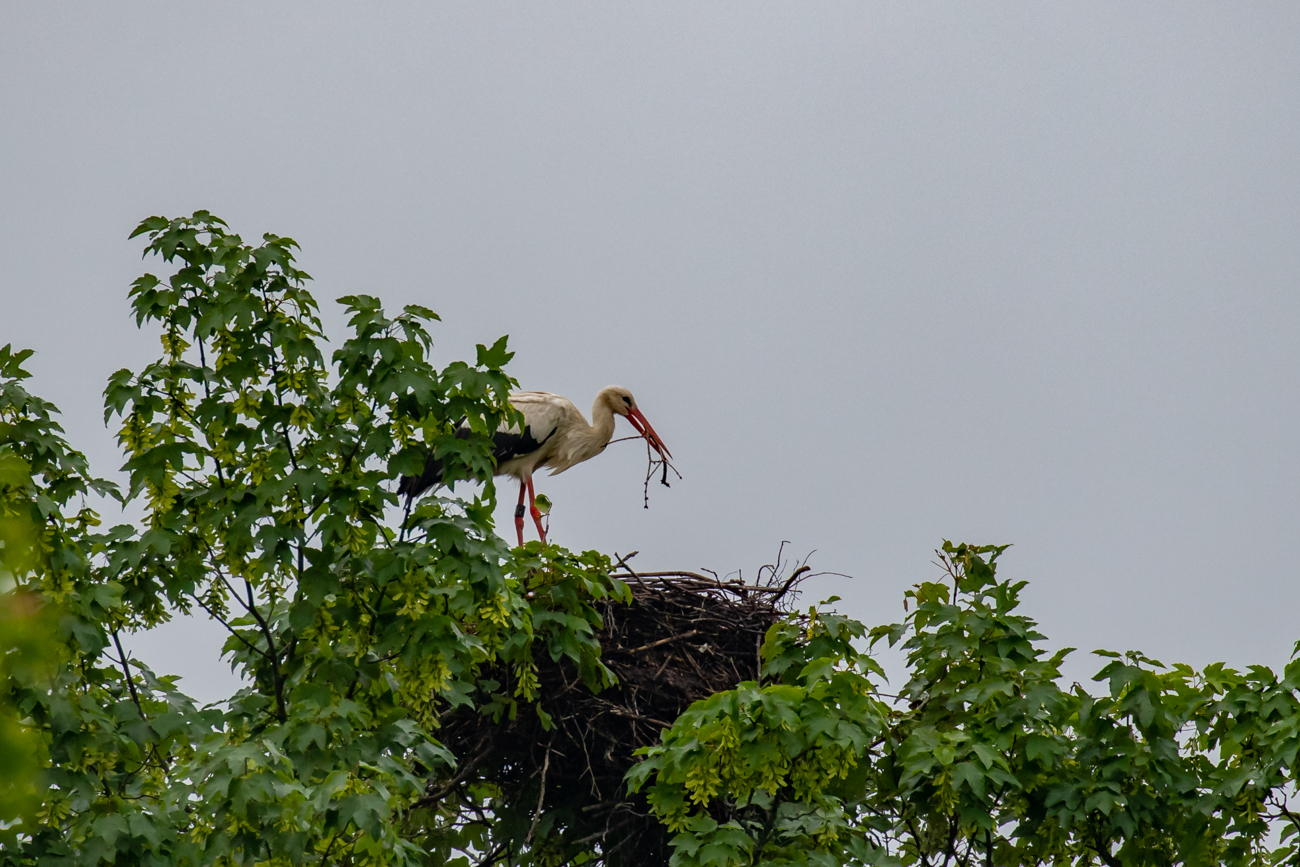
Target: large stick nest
{"x":684,"y":637}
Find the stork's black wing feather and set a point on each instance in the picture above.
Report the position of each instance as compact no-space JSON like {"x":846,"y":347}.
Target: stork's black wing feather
{"x":413,"y":486}
{"x":506,"y":444}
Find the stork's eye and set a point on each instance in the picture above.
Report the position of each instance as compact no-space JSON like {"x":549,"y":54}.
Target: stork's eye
{"x":627,"y":400}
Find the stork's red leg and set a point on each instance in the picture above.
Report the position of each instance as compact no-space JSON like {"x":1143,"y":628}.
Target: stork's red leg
{"x":519,"y":513}
{"x":537,"y":516}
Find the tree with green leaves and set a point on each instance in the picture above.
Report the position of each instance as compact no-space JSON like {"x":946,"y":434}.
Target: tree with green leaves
{"x":982,"y":757}
{"x":265,"y":472}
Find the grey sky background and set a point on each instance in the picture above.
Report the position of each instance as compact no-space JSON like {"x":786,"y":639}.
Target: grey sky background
{"x":879,"y":274}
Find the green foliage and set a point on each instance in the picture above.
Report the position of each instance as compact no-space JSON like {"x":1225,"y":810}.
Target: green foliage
{"x":26,"y":647}
{"x":265,"y":474}
{"x":785,"y":754}
{"x":33,"y":537}
{"x":982,"y":757}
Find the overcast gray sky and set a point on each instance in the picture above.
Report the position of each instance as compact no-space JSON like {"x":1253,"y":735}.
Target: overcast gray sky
{"x":879,"y":274}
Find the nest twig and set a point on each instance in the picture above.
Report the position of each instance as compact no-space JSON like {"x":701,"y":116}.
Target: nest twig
{"x":685,"y":636}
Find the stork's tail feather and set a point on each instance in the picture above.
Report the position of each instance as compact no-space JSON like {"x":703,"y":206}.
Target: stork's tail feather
{"x":412,"y":486}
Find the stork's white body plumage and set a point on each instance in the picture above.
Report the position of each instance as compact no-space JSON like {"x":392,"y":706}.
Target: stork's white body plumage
{"x":563,"y":433}
{"x":555,"y":435}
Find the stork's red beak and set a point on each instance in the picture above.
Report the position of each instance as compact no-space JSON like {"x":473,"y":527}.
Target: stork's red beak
{"x":643,"y":427}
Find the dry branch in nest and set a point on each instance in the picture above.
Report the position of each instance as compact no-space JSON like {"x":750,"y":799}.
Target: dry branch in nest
{"x":684,"y":637}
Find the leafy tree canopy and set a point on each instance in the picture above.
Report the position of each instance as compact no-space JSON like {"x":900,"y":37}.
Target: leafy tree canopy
{"x":264,"y":472}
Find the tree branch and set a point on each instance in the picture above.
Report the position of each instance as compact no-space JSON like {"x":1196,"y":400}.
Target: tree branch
{"x":126,"y":672}
{"x":541,"y":794}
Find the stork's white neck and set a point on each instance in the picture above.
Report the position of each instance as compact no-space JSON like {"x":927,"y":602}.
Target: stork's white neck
{"x":602,"y":422}
{"x":583,"y":441}
{"x":590,"y":440}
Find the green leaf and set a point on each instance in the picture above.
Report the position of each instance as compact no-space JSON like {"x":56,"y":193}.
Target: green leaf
{"x":496,"y":357}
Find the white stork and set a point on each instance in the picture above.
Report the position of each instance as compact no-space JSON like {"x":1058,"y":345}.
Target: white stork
{"x":555,"y":435}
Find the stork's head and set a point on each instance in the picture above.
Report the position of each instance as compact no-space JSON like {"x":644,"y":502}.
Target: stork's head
{"x":622,"y":402}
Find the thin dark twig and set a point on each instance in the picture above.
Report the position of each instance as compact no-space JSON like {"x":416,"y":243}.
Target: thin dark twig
{"x":627,"y":714}
{"x":794,"y":576}
{"x":622,"y":561}
{"x":493,"y":856}
{"x":664,"y":641}
{"x":651,"y":465}
{"x":126,"y":672}
{"x":590,"y":838}
{"x":229,"y":628}
{"x":709,"y":581}
{"x":462,"y":775}
{"x":541,"y":795}
{"x":330,"y":847}
{"x":135,"y":697}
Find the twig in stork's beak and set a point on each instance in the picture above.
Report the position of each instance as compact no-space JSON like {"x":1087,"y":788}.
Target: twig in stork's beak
{"x":643,"y":427}
{"x":650,"y":470}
